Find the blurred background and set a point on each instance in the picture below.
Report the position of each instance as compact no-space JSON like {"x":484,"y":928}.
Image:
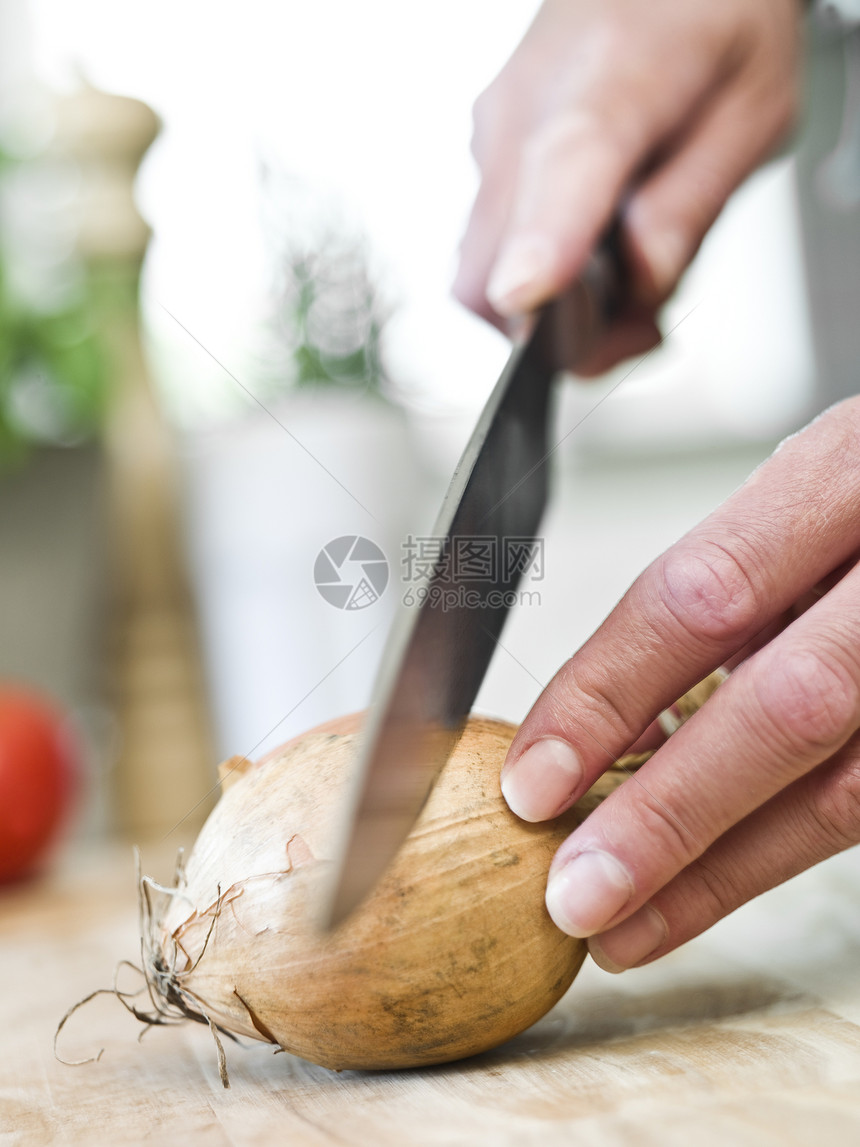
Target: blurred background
{"x":227,"y":340}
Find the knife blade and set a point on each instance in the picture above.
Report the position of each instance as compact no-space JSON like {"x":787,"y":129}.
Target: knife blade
{"x":438,"y":651}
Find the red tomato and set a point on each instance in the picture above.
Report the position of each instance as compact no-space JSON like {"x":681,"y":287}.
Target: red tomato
{"x":37,"y":770}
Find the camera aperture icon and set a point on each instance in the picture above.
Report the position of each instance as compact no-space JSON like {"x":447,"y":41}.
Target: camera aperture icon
{"x":351,"y":572}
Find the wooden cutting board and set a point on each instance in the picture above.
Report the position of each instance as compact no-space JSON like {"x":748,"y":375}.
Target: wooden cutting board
{"x":748,"y":1036}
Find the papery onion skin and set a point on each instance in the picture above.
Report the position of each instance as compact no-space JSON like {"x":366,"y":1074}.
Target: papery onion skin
{"x":453,"y":953}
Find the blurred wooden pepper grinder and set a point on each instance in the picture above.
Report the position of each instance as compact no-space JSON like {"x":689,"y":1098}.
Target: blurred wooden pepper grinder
{"x":164,"y":763}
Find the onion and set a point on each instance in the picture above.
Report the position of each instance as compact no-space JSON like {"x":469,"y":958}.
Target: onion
{"x":453,"y":953}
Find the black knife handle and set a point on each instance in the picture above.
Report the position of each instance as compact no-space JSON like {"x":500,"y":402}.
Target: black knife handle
{"x":571,"y":325}
{"x":604,"y":274}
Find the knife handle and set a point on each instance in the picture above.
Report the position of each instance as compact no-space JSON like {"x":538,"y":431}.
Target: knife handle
{"x":574,"y":323}
{"x":604,"y":275}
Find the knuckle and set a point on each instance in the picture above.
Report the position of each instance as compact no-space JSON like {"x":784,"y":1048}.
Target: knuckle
{"x":656,"y":821}
{"x":809,"y":697}
{"x":598,"y":709}
{"x":838,"y":809}
{"x":709,"y":593}
{"x":708,"y":891}
{"x":611,"y":712}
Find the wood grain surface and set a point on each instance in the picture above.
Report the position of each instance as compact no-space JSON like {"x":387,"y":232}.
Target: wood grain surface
{"x":748,"y":1036}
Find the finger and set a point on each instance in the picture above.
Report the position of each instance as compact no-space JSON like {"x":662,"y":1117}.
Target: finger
{"x":817,"y":817}
{"x":656,"y":733}
{"x":787,"y":709}
{"x":628,"y":337}
{"x":477,"y":248}
{"x":669,"y":214}
{"x":577,"y":163}
{"x":704,"y":600}
{"x":484,"y":230}
{"x":673,"y":716}
{"x":816,"y":592}
{"x":499,"y":125}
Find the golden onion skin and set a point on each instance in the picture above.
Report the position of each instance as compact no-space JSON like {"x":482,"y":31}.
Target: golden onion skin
{"x":453,"y":953}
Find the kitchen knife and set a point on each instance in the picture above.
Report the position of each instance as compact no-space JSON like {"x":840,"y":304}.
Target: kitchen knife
{"x":439,"y":649}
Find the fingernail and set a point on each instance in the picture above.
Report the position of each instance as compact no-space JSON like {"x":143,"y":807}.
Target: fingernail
{"x":584,"y":895}
{"x":543,"y":781}
{"x":518,"y":277}
{"x":629,"y":942}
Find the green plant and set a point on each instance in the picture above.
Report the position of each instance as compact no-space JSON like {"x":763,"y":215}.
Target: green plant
{"x":333,"y":319}
{"x":52,"y":368}
{"x":328,"y":309}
